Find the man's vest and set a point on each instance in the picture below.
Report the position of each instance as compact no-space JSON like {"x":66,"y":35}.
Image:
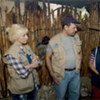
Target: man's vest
{"x":58,"y":56}
{"x":16,"y":84}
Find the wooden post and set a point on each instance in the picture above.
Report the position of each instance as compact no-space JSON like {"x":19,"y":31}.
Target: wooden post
{"x":94,"y":15}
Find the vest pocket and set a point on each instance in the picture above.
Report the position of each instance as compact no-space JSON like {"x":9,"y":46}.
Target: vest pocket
{"x":58,"y":58}
{"x":20,"y":85}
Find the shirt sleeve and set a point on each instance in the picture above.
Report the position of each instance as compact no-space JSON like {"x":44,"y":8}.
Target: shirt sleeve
{"x":92,"y":57}
{"x":49,"y":49}
{"x":18,"y":66}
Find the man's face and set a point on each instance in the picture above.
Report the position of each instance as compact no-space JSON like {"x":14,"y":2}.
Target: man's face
{"x":71,"y":29}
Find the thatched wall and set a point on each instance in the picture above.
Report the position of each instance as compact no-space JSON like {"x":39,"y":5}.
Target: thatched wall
{"x":40,"y":24}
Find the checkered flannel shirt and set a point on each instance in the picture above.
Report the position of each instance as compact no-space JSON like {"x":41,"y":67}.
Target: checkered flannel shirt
{"x":18,"y":66}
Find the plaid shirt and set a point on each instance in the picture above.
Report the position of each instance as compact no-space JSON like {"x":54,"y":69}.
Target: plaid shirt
{"x":18,"y":66}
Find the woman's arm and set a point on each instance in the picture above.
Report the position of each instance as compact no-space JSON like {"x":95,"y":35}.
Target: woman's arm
{"x":92,"y":64}
{"x":17,"y":65}
{"x":92,"y":67}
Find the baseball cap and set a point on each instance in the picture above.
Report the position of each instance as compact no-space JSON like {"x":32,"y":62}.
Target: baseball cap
{"x":69,"y":19}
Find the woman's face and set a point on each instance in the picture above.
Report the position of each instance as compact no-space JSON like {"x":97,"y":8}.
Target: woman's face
{"x":23,"y":39}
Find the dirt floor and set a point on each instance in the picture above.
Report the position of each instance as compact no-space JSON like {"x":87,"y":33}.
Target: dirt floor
{"x":47,"y":92}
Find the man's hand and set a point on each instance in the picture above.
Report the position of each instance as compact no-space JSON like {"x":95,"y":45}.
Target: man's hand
{"x":56,"y":77}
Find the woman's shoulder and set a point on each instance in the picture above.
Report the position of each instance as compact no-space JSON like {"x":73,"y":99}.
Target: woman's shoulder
{"x":13,"y":50}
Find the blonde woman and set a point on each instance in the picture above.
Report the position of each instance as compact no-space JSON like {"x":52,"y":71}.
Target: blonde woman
{"x":22,"y":64}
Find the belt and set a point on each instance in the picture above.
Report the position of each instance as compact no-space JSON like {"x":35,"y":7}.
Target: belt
{"x":70,"y":69}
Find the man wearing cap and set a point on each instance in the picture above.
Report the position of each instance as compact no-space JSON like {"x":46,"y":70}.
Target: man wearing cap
{"x":63,"y":59}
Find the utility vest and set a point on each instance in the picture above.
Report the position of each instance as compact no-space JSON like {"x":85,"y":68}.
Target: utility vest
{"x":16,"y":84}
{"x":58,"y":56}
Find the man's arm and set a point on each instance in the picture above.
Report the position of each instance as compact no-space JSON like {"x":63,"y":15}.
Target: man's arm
{"x":54,"y":75}
{"x":48,"y":62}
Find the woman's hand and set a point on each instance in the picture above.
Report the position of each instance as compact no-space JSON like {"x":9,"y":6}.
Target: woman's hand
{"x":35,"y":59}
{"x":33,"y":65}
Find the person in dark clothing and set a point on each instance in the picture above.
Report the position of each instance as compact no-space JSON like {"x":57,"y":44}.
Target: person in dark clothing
{"x":94,"y":65}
